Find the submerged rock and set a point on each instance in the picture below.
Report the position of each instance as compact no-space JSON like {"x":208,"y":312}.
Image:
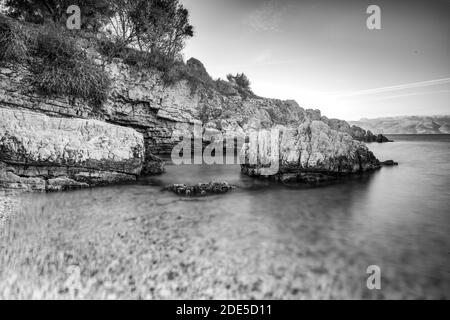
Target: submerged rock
{"x":200,"y":189}
{"x":312,"y":152}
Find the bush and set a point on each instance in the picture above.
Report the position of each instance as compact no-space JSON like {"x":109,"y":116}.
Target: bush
{"x":225,"y":88}
{"x":240,"y":80}
{"x":133,"y":57}
{"x":13,"y":41}
{"x":61,"y":67}
{"x":173,"y":70}
{"x":242,"y":84}
{"x":58,"y":66}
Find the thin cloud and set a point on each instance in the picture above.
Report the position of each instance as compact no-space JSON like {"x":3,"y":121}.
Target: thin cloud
{"x":259,"y":63}
{"x":422,"y":93}
{"x":421,"y":84}
{"x":267,"y":17}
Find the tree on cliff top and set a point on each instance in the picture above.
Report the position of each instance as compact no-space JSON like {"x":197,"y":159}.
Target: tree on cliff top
{"x":156,"y":26}
{"x":150,"y":25}
{"x":93,"y":12}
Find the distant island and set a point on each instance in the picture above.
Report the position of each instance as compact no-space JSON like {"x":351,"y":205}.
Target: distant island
{"x":406,"y":124}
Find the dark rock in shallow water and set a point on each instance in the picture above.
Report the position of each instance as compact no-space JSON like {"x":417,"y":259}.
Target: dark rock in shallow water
{"x":370,"y":137}
{"x":367,"y":136}
{"x":201,"y":189}
{"x":389,"y":163}
{"x":381,"y":138}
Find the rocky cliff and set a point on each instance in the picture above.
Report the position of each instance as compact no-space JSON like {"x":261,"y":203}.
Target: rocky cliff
{"x":139,"y":103}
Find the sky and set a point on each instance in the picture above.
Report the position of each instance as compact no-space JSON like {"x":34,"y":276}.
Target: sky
{"x":321,"y":53}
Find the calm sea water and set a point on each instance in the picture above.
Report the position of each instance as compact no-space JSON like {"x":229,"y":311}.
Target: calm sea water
{"x":261,"y":241}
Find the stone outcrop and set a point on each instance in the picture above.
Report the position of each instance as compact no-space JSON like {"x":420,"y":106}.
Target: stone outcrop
{"x":389,"y":163}
{"x":43,"y":153}
{"x":311,"y":152}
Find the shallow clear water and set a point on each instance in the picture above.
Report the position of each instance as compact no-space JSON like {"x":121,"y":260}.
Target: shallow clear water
{"x":260,"y":241}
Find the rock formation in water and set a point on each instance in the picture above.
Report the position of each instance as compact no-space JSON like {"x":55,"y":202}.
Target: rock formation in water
{"x":389,"y":163}
{"x":43,"y":153}
{"x":311,"y":152}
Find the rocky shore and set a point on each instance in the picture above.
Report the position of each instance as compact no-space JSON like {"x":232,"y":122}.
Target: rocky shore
{"x":60,"y":143}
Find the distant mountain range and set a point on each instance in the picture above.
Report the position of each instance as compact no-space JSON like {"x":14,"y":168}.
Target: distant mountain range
{"x":406,"y":125}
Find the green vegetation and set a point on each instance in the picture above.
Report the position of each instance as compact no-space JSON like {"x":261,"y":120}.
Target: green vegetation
{"x":241,"y":83}
{"x":94,"y":13}
{"x":173,"y":70}
{"x":150,"y":25}
{"x":13,"y":41}
{"x":57,"y":64}
{"x":61,"y":67}
{"x":145,"y":34}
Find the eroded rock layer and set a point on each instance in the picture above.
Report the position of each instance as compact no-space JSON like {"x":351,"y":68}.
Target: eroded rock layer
{"x":38,"y":152}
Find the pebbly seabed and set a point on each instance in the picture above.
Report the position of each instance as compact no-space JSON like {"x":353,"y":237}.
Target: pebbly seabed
{"x":262,"y":241}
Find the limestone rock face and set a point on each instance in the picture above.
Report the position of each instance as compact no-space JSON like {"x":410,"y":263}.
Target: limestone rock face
{"x":310,"y":152}
{"x":39,"y":152}
{"x":135,"y":101}
{"x":141,"y":100}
